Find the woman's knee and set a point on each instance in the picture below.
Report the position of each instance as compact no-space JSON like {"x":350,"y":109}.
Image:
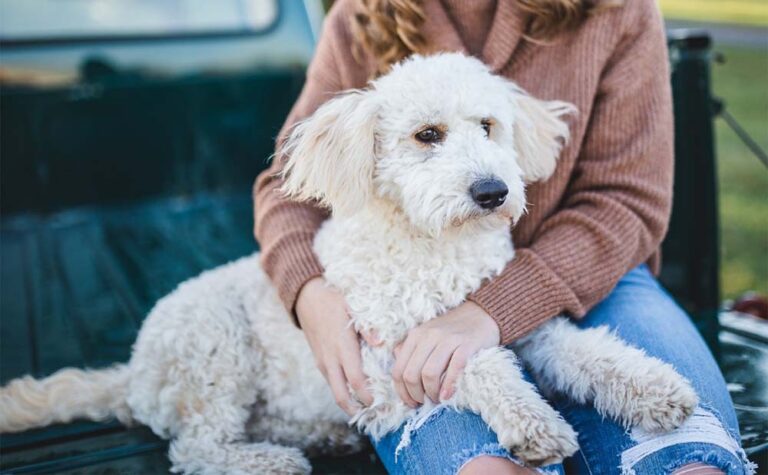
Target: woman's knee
{"x":698,"y":469}
{"x":701,"y":446}
{"x":485,"y":464}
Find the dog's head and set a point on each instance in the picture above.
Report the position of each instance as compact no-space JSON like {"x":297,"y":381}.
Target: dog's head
{"x":440,"y":137}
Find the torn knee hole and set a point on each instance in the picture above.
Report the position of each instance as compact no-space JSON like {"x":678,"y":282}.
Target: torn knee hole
{"x":701,"y":439}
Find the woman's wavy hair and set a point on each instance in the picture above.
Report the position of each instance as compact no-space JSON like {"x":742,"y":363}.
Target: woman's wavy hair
{"x":390,"y":30}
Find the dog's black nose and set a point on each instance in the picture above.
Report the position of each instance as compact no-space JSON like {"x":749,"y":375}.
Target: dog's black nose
{"x":488,"y":193}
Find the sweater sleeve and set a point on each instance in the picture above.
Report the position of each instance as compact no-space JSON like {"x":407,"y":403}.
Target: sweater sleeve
{"x":615,"y":211}
{"x":285,"y":229}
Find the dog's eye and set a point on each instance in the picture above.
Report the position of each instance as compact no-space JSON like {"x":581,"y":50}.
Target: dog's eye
{"x":429,"y":135}
{"x":486,"y":124}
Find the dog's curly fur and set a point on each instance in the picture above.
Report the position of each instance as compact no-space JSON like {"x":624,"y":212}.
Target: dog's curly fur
{"x":221,"y":370}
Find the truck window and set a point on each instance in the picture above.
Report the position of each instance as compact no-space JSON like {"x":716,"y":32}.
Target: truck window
{"x":69,"y":19}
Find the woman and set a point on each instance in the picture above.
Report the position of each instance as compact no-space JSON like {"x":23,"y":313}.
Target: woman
{"x":588,"y":247}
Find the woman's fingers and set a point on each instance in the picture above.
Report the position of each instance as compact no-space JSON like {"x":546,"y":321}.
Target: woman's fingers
{"x":455,"y":367}
{"x":324,"y":316}
{"x":372,"y":338}
{"x":412,"y":375}
{"x":434,"y":368}
{"x":338,"y":383}
{"x":352,"y":367}
{"x":402,"y":356}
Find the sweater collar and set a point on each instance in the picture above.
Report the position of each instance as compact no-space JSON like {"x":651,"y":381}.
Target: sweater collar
{"x":504,"y":36}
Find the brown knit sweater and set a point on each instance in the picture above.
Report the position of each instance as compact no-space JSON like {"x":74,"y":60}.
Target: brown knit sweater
{"x":606,"y":208}
{"x":472,"y":20}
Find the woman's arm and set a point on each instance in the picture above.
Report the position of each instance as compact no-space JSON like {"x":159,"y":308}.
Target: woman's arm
{"x":285,"y":229}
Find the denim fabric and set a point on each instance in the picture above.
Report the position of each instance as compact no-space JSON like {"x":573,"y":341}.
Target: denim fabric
{"x":643,"y":315}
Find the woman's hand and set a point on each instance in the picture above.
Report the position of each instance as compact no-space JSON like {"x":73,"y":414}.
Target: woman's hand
{"x":323,"y":316}
{"x":429,"y":361}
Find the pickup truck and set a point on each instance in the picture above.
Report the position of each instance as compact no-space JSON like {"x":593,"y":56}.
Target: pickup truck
{"x":129,"y":146}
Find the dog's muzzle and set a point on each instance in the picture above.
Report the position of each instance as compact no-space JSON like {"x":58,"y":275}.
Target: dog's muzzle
{"x":489,"y":193}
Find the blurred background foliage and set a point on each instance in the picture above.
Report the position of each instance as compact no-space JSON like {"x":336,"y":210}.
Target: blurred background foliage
{"x":740,"y":31}
{"x":742,"y":82}
{"x":745,"y":12}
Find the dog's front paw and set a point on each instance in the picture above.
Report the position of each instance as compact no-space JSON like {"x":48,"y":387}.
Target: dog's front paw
{"x":540,"y":440}
{"x":650,"y":395}
{"x":664,"y":403}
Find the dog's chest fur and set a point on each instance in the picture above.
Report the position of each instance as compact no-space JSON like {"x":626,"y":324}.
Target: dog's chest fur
{"x":393,"y":278}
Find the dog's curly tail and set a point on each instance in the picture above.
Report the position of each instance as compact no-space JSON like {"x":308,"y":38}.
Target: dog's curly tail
{"x":68,"y":394}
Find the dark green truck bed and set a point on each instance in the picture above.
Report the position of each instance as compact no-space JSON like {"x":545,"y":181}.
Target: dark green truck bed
{"x":128,"y":179}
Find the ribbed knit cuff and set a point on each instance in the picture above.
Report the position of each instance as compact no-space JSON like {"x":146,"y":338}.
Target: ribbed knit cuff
{"x":293,"y":264}
{"x":525,"y":295}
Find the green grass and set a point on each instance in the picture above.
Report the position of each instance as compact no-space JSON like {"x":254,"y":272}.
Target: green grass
{"x":740,"y":12}
{"x":742,"y":82}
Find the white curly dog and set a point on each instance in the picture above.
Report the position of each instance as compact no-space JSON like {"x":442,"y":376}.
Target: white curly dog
{"x":424,"y":170}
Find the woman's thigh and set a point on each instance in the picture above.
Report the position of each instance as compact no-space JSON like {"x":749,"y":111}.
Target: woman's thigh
{"x":644,"y":315}
{"x":442,"y":444}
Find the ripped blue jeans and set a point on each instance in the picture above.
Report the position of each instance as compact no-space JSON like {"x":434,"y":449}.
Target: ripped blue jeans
{"x":644,"y":315}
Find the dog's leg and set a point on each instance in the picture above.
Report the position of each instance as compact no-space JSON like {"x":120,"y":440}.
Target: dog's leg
{"x":493,"y":386}
{"x":594,"y":365}
{"x":213,"y":408}
{"x":204,"y":451}
{"x":200,"y":371}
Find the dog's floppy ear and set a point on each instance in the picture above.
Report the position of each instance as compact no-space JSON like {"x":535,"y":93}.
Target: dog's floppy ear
{"x":539,"y":133}
{"x":331,"y":154}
